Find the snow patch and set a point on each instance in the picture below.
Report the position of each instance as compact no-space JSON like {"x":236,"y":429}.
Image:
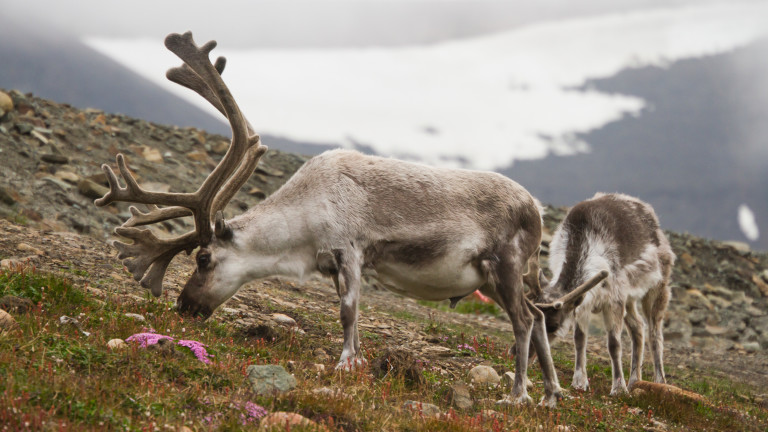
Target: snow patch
{"x":481,"y":102}
{"x":747,"y":223}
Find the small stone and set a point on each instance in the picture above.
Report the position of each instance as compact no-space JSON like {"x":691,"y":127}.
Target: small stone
{"x":91,"y":189}
{"x":762,"y":285}
{"x":319,"y":368}
{"x":715,"y":330}
{"x":6,"y":197}
{"x":321,"y":355}
{"x":436,"y":351}
{"x":270,"y":379}
{"x":151,"y":154}
{"x":751,"y":346}
{"x":15,"y":304}
{"x":737,"y":245}
{"x":256,"y":192}
{"x":285,"y":420}
{"x":696,"y":299}
{"x":6,"y":103}
{"x":67,"y":176}
{"x":53,"y":180}
{"x":135,"y":316}
{"x":7,"y":322}
{"x":459,"y":396}
{"x":40,"y":137}
{"x":687,"y":259}
{"x":483,"y":375}
{"x":220,"y":147}
{"x":116,"y":344}
{"x":269,"y":171}
{"x":283,"y":319}
{"x":422,"y":408}
{"x":54,"y":158}
{"x":31,"y":249}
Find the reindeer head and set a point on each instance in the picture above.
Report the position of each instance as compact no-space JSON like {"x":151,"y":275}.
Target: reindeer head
{"x":148,"y":256}
{"x":556,"y":303}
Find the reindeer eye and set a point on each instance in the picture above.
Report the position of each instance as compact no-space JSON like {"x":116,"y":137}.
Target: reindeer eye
{"x":203,"y":260}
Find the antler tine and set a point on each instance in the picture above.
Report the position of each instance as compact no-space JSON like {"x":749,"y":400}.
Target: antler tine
{"x":149,"y":252}
{"x":135,"y":193}
{"x":154,"y":215}
{"x":583,"y":288}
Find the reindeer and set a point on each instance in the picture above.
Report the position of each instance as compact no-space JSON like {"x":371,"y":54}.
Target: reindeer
{"x":618,"y":237}
{"x":424,"y":232}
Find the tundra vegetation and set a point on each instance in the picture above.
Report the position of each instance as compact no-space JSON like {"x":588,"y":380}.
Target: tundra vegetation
{"x":57,"y":378}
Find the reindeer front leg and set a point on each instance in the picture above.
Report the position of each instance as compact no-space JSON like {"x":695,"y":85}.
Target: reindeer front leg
{"x":348,"y":282}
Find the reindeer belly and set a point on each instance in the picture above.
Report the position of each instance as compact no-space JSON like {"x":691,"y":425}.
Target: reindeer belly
{"x":442,"y":279}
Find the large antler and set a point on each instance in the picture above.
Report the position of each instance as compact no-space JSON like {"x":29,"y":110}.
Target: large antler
{"x":147,"y":258}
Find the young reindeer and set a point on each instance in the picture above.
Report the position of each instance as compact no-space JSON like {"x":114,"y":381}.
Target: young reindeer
{"x":617,"y":236}
{"x":424,"y":232}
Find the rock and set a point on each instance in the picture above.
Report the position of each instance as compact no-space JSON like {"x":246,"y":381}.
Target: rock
{"x":67,"y":176}
{"x":737,"y":245}
{"x":719,"y":302}
{"x":459,"y":397}
{"x":91,"y":189}
{"x":761,"y":283}
{"x":135,"y":316}
{"x":151,"y":154}
{"x":53,"y":180}
{"x":40,"y":137}
{"x":6,"y":197}
{"x":483,"y":375}
{"x":436,"y":351}
{"x":31,"y":249}
{"x":284,"y":319}
{"x":263,"y":169}
{"x":508,"y":380}
{"x":422,"y":408}
{"x":116,"y":344}
{"x":54,"y":158}
{"x":6,"y":103}
{"x":270,"y":379}
{"x":15,"y":304}
{"x":24,"y":128}
{"x":319,"y":368}
{"x":7,"y":322}
{"x":220,"y":147}
{"x":321,"y":355}
{"x":677,"y":330}
{"x":687,"y":259}
{"x":696,"y":299}
{"x":285,"y":420}
{"x":256,"y":192}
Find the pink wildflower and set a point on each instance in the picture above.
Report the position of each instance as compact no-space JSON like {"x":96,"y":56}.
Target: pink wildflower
{"x":145,"y":339}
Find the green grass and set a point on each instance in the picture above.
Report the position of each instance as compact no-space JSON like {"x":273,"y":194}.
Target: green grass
{"x":56,"y":378}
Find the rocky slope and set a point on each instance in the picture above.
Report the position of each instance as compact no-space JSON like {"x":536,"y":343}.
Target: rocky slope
{"x":51,"y":155}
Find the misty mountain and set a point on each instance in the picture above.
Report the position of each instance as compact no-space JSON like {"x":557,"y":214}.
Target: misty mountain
{"x":696,"y":153}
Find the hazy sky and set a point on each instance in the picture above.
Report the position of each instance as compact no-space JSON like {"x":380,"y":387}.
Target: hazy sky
{"x":316,"y":23}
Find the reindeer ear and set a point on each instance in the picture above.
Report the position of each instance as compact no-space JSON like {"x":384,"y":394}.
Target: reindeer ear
{"x":220,"y":227}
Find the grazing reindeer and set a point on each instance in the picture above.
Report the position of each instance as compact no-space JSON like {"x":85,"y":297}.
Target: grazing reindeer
{"x":617,"y":236}
{"x":428,"y":233}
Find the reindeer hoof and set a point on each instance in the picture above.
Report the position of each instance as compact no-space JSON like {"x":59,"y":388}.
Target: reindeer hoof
{"x":619,"y":390}
{"x":351,"y":364}
{"x":551,"y":400}
{"x":514,"y":401}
